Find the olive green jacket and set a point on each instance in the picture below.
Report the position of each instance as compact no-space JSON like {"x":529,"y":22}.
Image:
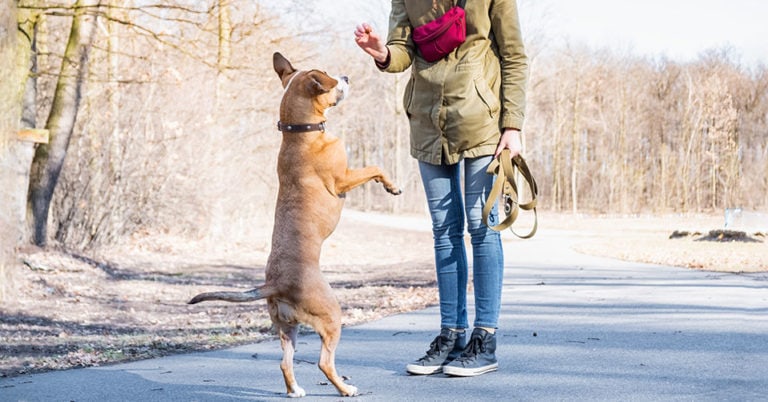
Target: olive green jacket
{"x":458,"y":105}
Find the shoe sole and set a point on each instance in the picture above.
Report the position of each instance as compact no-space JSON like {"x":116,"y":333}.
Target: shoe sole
{"x":468,"y":372}
{"x":423,"y":370}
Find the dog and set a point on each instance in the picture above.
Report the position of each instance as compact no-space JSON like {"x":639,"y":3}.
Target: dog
{"x":314,"y":177}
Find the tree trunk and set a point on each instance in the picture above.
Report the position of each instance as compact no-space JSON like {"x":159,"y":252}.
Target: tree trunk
{"x":49,"y":158}
{"x":29,"y":101}
{"x":575,"y":144}
{"x":14,"y":48}
{"x":557,"y":146}
{"x":625,"y":177}
{"x":225,"y":35}
{"x":224,"y":54}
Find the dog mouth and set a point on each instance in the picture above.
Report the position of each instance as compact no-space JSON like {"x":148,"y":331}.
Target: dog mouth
{"x":342,"y":88}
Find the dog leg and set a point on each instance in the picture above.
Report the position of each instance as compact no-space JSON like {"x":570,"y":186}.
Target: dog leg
{"x":330,"y":339}
{"x":288,"y":343}
{"x":356,"y":177}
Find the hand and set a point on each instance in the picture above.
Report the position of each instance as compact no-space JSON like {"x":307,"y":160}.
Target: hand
{"x":510,"y":139}
{"x":371,"y":42}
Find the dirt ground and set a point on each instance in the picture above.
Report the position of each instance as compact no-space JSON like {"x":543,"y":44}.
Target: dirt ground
{"x":129,"y":303}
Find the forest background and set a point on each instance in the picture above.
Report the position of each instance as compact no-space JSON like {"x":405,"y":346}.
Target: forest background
{"x":175,"y":129}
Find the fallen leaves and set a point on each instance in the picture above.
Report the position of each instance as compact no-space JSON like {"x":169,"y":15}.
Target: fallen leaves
{"x":75,"y":311}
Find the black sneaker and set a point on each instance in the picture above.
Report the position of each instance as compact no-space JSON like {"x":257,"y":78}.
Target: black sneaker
{"x":479,"y":357}
{"x":446,"y":347}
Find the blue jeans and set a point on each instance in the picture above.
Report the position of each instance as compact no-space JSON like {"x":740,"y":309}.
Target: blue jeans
{"x":448,"y":205}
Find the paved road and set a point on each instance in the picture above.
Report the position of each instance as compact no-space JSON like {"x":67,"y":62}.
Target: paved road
{"x":573,"y":327}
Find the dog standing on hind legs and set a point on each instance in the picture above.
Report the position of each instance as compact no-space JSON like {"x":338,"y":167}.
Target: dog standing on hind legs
{"x":313,"y":175}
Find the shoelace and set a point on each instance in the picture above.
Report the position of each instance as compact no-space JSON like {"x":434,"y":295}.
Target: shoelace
{"x":474,"y":347}
{"x":434,"y":347}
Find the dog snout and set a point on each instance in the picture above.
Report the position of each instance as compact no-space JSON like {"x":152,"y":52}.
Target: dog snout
{"x":342,"y":88}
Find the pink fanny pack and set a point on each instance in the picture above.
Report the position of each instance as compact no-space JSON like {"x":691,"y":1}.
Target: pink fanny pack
{"x":439,"y":37}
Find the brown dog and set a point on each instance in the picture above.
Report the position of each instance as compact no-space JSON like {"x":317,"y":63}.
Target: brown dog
{"x":313,"y":174}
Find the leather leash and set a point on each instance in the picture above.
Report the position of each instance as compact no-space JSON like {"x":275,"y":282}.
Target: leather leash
{"x":505,"y":187}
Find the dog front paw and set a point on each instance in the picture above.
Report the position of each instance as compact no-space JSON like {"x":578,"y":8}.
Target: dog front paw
{"x":393,"y":190}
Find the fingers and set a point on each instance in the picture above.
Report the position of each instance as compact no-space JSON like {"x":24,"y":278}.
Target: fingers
{"x":370,"y":42}
{"x":499,"y":148}
{"x":362,"y":30}
{"x":510,"y":139}
{"x":362,"y":37}
{"x":359,"y":31}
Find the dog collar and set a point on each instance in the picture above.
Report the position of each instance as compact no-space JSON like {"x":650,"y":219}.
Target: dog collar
{"x":300,"y":128}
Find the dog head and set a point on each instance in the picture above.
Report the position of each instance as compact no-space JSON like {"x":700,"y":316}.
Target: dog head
{"x":315,"y":87}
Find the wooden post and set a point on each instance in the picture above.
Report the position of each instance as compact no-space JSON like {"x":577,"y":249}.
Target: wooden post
{"x":39,"y":136}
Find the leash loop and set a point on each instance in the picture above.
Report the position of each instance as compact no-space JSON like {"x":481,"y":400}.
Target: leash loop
{"x":505,"y":189}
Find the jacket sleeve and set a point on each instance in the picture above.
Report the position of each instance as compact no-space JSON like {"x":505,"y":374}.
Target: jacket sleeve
{"x":505,"y":26}
{"x":399,"y":42}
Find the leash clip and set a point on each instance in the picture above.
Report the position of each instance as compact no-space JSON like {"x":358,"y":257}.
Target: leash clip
{"x":508,"y":204}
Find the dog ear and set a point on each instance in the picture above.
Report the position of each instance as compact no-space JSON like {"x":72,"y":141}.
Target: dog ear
{"x":321,"y":82}
{"x":282,"y":66}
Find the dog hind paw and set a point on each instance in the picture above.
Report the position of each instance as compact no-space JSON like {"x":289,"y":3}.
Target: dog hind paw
{"x":298,"y":392}
{"x":351,"y":391}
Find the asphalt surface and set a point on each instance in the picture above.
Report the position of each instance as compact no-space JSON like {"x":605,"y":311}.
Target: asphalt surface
{"x":573,"y":327}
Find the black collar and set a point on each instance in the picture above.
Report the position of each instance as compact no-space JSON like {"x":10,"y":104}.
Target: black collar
{"x":300,"y":128}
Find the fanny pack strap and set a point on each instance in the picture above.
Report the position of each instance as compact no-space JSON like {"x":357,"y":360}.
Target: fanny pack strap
{"x":505,"y":187}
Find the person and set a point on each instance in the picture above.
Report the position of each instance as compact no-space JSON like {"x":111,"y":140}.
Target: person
{"x":463,"y":110}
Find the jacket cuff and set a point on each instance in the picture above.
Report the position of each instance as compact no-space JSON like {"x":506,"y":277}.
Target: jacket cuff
{"x":512,"y":122}
{"x":383,"y":66}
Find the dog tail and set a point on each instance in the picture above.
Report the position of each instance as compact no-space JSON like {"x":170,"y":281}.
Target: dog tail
{"x":235,"y":297}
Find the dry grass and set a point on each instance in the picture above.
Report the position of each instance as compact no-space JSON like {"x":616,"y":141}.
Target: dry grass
{"x":130,"y":303}
{"x":647,"y":239}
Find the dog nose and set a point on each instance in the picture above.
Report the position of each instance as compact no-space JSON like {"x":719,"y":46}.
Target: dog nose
{"x":345,"y":78}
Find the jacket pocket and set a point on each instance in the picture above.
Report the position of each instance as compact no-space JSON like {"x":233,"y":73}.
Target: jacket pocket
{"x":486,"y":94}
